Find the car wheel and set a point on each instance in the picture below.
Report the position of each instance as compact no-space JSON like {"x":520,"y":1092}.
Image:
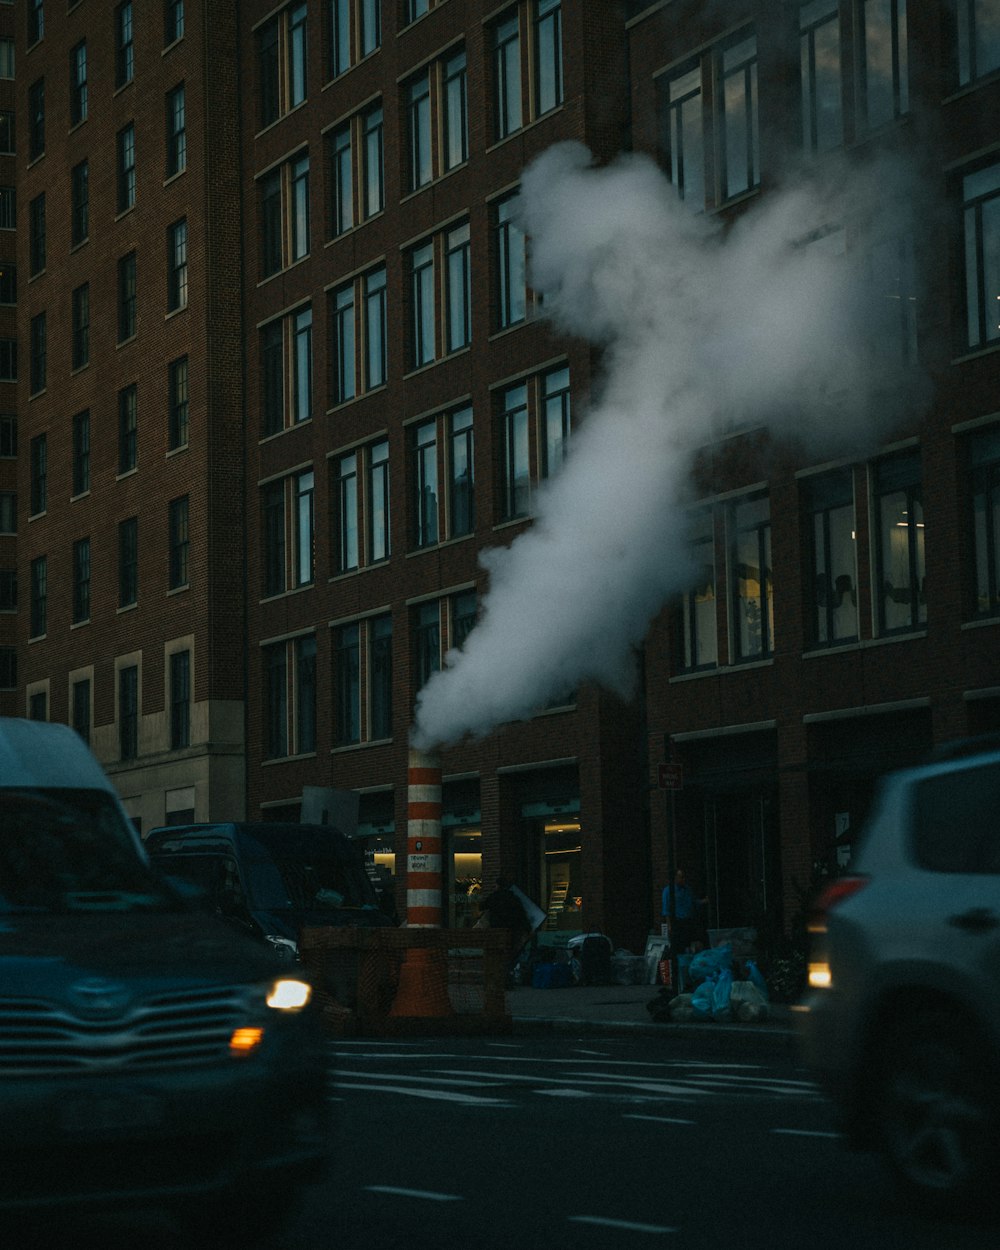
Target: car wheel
{"x":935,"y":1118}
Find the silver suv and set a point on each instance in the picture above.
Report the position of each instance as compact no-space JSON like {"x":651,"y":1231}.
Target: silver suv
{"x":901,"y":1023}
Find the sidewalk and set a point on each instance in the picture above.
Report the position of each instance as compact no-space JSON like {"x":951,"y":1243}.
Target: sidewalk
{"x":622,"y":1009}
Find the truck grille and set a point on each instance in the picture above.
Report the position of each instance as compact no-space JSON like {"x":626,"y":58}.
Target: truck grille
{"x":172,"y":1030}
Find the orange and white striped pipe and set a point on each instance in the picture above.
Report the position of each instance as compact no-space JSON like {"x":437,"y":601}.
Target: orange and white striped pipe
{"x":423,"y":842}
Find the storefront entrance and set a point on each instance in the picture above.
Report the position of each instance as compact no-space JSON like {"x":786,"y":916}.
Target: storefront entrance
{"x":742,"y":864}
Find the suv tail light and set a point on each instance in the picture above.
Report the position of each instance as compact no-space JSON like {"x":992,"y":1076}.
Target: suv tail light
{"x":832,"y":896}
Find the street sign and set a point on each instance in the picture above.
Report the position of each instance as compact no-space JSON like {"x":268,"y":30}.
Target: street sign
{"x":671,"y":776}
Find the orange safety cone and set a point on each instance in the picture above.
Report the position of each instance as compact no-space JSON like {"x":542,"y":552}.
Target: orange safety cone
{"x":423,"y":984}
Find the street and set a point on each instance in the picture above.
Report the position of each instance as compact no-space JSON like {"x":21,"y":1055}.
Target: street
{"x":603,"y":1142}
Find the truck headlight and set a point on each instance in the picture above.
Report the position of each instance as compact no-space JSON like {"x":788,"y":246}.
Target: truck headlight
{"x":288,"y":994}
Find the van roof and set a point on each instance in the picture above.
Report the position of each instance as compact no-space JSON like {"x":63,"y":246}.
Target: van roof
{"x":47,"y":756}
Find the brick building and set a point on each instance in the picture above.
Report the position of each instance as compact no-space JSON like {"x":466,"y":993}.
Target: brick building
{"x":283,"y":379}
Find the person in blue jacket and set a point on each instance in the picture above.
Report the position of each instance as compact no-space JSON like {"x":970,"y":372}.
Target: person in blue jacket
{"x":687,"y":914}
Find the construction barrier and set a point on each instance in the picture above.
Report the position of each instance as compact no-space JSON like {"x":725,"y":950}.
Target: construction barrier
{"x":396,"y":982}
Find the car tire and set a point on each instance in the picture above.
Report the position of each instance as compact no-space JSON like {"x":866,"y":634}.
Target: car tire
{"x":935,"y":1113}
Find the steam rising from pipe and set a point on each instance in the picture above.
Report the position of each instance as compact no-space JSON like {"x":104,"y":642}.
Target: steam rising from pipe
{"x":704,"y":328}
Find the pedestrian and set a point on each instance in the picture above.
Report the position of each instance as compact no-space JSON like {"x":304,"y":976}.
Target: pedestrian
{"x":504,"y":910}
{"x":684,"y":927}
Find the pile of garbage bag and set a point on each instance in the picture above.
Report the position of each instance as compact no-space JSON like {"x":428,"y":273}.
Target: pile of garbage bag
{"x":720,"y":993}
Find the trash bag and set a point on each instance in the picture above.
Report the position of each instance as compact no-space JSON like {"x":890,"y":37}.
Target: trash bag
{"x":701,"y":1000}
{"x":707,"y":963}
{"x":721,"y":995}
{"x":757,"y":978}
{"x":748,"y":1003}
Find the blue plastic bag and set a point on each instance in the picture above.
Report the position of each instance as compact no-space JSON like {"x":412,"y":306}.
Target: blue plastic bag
{"x":706,"y":964}
{"x":721,"y":992}
{"x":757,"y":977}
{"x":701,"y":1001}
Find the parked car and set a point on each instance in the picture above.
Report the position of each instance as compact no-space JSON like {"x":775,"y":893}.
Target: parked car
{"x":271,"y":879}
{"x":902,"y":1020}
{"x":149,"y":1053}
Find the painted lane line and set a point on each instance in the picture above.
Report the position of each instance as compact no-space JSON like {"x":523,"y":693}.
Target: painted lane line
{"x":804,"y":1132}
{"x":628,"y":1225}
{"x":400,"y":1076}
{"x":616,"y":1084}
{"x":598,"y":1054}
{"x":399,"y":1192}
{"x":438,"y":1095}
{"x":657,"y":1119}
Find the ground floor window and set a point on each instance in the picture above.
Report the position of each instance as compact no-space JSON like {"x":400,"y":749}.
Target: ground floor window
{"x":560,"y":875}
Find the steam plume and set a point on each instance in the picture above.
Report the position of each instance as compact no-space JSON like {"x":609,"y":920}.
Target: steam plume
{"x":703,"y":328}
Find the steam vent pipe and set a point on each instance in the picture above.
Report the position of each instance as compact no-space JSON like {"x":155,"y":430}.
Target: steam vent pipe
{"x":423,"y":842}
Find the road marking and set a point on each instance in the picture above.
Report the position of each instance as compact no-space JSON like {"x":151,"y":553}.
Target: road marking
{"x":438,"y":1095}
{"x":600,"y":1054}
{"x":803,"y":1132}
{"x":628,"y":1225}
{"x":658,"y":1119}
{"x":413,"y":1193}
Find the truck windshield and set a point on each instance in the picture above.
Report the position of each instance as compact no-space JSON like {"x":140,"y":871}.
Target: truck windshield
{"x":71,"y":850}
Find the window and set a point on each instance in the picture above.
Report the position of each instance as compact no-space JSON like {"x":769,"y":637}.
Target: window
{"x":176,"y":131}
{"x":832,"y":608}
{"x":81,"y":708}
{"x":8,"y":282}
{"x":36,"y":120}
{"x":288,"y":536}
{"x":819,"y":63}
{"x":79,"y":203}
{"x":425,"y":483}
{"x":173,"y":21}
{"x":507,"y":76}
{"x":179,"y":543}
{"x":126,"y":297}
{"x":126,"y":168}
{"x":38,"y":705}
{"x":437,"y":119}
{"x":273,"y":544}
{"x":899,"y":517}
{"x":461,"y":473}
{"x":359,"y":491}
{"x":464,"y":612}
{"x":548,"y":54}
{"x":282,"y":58}
{"x":8,"y":668}
{"x":177,"y":403}
{"x":305,"y":695}
{"x":8,"y":208}
{"x":341,"y":181}
{"x":36,"y":234}
{"x":289,"y":671}
{"x":177,"y":266}
{"x":124,"y":50}
{"x":81,"y":580}
{"x":458,"y":305}
{"x":981,"y":201}
{"x":38,"y":468}
{"x":284,"y":214}
{"x":416,"y":8}
{"x":751,"y":587}
{"x":516,"y":453}
{"x":373,"y":150}
{"x":128,"y":712}
{"x":275,"y":664}
{"x":81,"y":326}
{"x":422,"y":314}
{"x":347,"y":685}
{"x":8,"y":435}
{"x":81,"y":453}
{"x":128,"y":562}
{"x":78,"y":84}
{"x":8,"y":512}
{"x":8,"y":356}
{"x":512,"y":299}
{"x":380,"y":677}
{"x":427,"y":642}
{"x":739,"y":158}
{"x":38,"y":346}
{"x":7,"y":132}
{"x":984,"y":466}
{"x":978,"y":39}
{"x":39,"y":596}
{"x":36,"y":21}
{"x":556,"y":420}
{"x":180,"y":700}
{"x":894,"y":286}
{"x":358,"y":346}
{"x":362,"y":134}
{"x":883,"y":66}
{"x":354,"y":31}
{"x":8,"y":590}
{"x":303,"y":528}
{"x":128,"y":429}
{"x":6,"y":58}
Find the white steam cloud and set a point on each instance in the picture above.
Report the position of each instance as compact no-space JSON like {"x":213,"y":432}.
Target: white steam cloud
{"x":703,"y":327}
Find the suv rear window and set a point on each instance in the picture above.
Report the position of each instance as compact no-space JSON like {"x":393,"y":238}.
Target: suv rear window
{"x":956,"y":821}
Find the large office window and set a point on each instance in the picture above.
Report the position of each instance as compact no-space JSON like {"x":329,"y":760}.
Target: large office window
{"x":341,"y":180}
{"x":81,"y":453}
{"x":377,"y":501}
{"x":556,"y":418}
{"x":422,"y":313}
{"x":740,"y":160}
{"x":128,"y":712}
{"x":303,"y":526}
{"x":81,"y":581}
{"x":347,"y":684}
{"x":286,"y":371}
{"x":343,"y":322}
{"x":699,"y":638}
{"x":289,"y":671}
{"x":548,"y":54}
{"x":883,"y":64}
{"x":832,"y":593}
{"x":981,"y":199}
{"x":425,"y":483}
{"x":820,"y":73}
{"x":305,"y":694}
{"x":359,"y":491}
{"x":684,"y":127}
{"x":275,"y":663}
{"x":511,"y":264}
{"x":418,"y":113}
{"x":373,"y":199}
{"x":339,"y":37}
{"x":283,"y":197}
{"x":901,"y":600}
{"x":298,"y":214}
{"x":128,"y":562}
{"x":179,"y":541}
{"x":180,"y":700}
{"x":461,"y":473}
{"x":380,"y":677}
{"x":515,"y":446}
{"x":455,"y":113}
{"x":282,"y":58}
{"x":751,"y":588}
{"x":984,"y":468}
{"x":507,"y":76}
{"x":458,"y":306}
{"x":177,"y":403}
{"x":978,"y":38}
{"x":273,"y":542}
{"x":128,"y":428}
{"x":426,"y":641}
{"x":375,"y":328}
{"x":347,"y":512}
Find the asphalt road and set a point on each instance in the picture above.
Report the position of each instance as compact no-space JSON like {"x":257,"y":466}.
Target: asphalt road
{"x":596,"y":1143}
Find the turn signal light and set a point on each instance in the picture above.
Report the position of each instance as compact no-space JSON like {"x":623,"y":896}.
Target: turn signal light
{"x":243,"y":1041}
